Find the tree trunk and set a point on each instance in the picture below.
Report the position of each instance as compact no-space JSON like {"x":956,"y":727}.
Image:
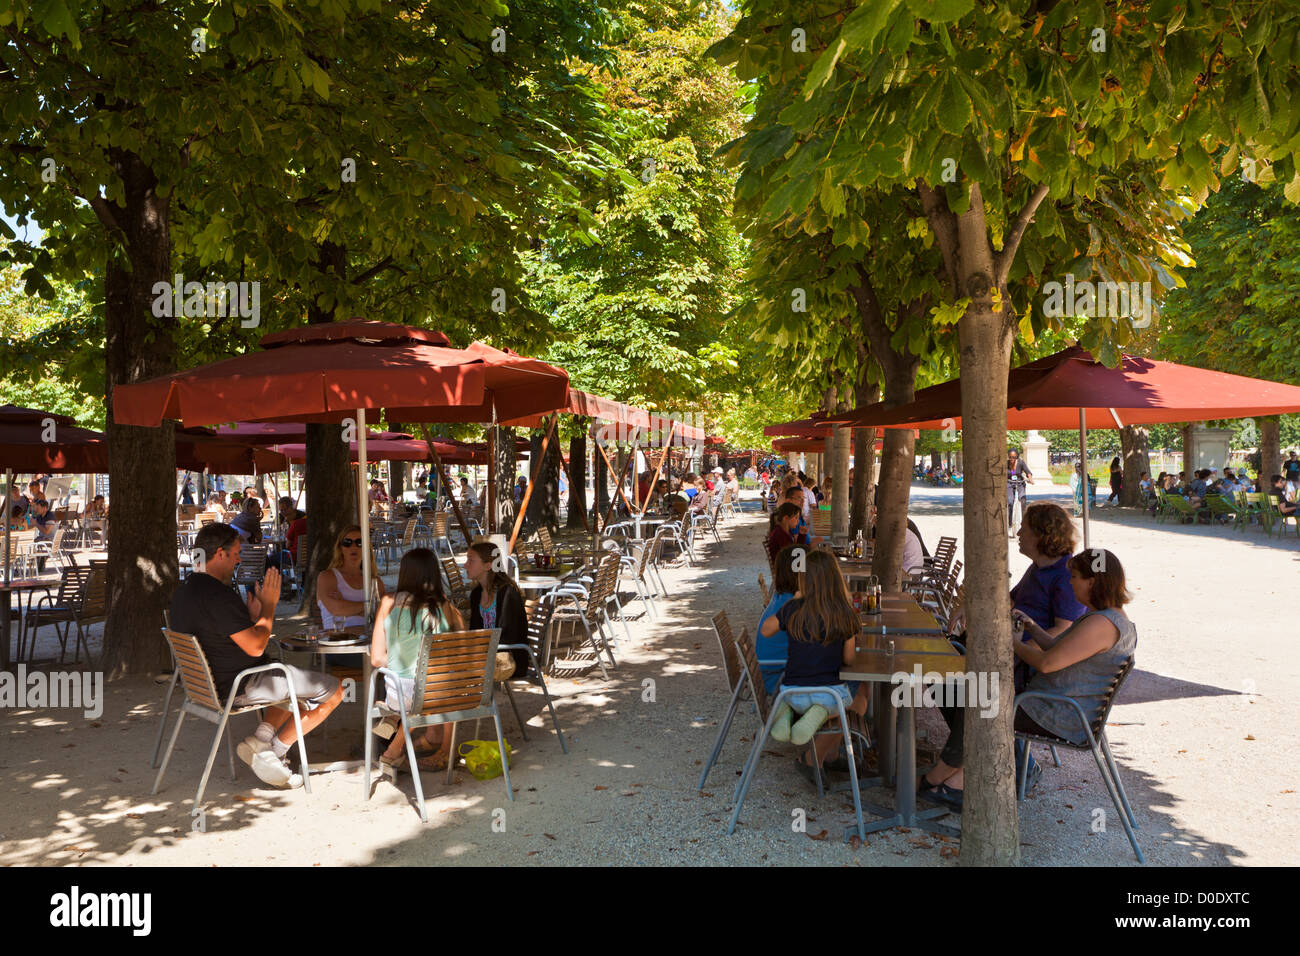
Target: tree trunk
{"x":601,"y":478}
{"x":505,"y":479}
{"x":327,"y":477}
{"x":551,"y":465}
{"x":1133,"y":443}
{"x":864,"y":459}
{"x":990,"y":827}
{"x":577,"y":477}
{"x":536,"y":466}
{"x":398,"y":472}
{"x":142,"y":563}
{"x":895,"y":481}
{"x":1270,"y":451}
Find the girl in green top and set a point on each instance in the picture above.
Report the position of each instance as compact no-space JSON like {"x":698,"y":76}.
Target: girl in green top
{"x":419,"y":606}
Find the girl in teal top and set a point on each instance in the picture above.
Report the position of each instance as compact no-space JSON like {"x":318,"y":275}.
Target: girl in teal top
{"x":417,"y":608}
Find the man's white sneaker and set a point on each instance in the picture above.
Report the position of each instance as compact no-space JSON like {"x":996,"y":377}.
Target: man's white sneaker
{"x":250,"y":747}
{"x":273,"y":770}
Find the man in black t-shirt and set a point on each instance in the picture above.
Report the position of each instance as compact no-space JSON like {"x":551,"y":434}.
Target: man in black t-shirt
{"x":234,"y":635}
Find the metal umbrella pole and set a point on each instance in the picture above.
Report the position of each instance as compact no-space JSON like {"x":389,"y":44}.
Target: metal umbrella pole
{"x":1085,"y":491}
{"x":363,"y":507}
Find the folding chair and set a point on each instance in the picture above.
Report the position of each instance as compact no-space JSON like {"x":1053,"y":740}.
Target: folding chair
{"x":202,"y":700}
{"x":751,"y":765}
{"x":456,"y":589}
{"x":1096,"y":733}
{"x":453,"y":683}
{"x":538,"y":649}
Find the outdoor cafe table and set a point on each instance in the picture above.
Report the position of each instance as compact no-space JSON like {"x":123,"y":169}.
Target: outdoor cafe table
{"x":906,"y":643}
{"x":883,"y":670}
{"x":290,"y":636}
{"x":28,"y":586}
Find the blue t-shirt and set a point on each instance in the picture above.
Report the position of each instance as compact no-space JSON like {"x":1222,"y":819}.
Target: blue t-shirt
{"x":773,"y":648}
{"x":1045,"y":594}
{"x":809,"y":663}
{"x":690,"y":492}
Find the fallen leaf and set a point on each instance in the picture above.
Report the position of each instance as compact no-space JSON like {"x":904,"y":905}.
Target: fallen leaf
{"x":243,"y":798}
{"x":819,"y":836}
{"x":1248,"y":736}
{"x":120,"y":770}
{"x":135,"y":816}
{"x":705,"y":793}
{"x":66,"y":746}
{"x":606,"y":788}
{"x":629,"y":793}
{"x":548,"y":836}
{"x":948,"y":852}
{"x":97,"y":724}
{"x":534,"y":852}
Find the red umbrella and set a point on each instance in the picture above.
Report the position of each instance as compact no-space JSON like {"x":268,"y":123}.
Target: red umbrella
{"x":377,"y":449}
{"x":1072,"y":390}
{"x":814,"y":446}
{"x":1053,"y":392}
{"x":24,"y":448}
{"x":325,"y":373}
{"x":800,"y":428}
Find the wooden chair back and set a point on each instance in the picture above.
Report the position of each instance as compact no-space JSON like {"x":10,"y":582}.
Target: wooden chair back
{"x":456,"y":589}
{"x":94,"y":603}
{"x":539,"y":629}
{"x":457,"y":669}
{"x":749,"y":658}
{"x":440,"y":524}
{"x":192,"y":665}
{"x":544,"y":538}
{"x":767,"y":591}
{"x":727,"y":644}
{"x":72,"y":587}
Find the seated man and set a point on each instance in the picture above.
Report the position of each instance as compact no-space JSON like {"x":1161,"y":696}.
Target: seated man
{"x":234,"y":636}
{"x":44,"y":522}
{"x":1278,"y":494}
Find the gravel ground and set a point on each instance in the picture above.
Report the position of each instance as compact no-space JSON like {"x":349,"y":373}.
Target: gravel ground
{"x":1200,"y":733}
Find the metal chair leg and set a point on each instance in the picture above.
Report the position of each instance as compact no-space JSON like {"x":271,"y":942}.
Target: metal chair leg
{"x":453,"y":757}
{"x":518,"y":719}
{"x":1114,"y":772}
{"x":176,"y":732}
{"x":723,"y":730}
{"x":415,"y":768}
{"x":742,"y":787}
{"x":230,"y":751}
{"x":1114,"y":798}
{"x":1056,"y":758}
{"x":212,"y":756}
{"x":501,"y":749}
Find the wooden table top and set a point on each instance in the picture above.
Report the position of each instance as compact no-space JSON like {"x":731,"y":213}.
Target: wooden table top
{"x":902,"y":620}
{"x":879,"y":666}
{"x":906,"y":643}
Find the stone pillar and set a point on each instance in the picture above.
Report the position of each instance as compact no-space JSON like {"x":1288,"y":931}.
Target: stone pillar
{"x":1205,"y":448}
{"x":1036,"y":458}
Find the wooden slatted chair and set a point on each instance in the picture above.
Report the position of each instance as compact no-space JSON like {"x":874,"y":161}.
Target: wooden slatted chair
{"x":202,"y":700}
{"x":456,"y":668}
{"x":821,"y":523}
{"x":252,"y":565}
{"x":91,"y":609}
{"x":590,"y":606}
{"x":748,"y":677}
{"x":440,"y":537}
{"x":727,"y":644}
{"x":767,"y":591}
{"x":56,"y":609}
{"x":538,"y":649}
{"x":1094,"y":726}
{"x":456,"y":589}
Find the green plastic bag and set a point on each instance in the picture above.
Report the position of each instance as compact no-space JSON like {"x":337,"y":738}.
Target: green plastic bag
{"x":482,"y":758}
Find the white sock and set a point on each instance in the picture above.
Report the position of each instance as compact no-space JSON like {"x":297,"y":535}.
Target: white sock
{"x":279,"y":747}
{"x":264,"y":732}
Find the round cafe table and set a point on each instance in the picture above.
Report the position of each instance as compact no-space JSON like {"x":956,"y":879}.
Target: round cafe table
{"x":349,"y":641}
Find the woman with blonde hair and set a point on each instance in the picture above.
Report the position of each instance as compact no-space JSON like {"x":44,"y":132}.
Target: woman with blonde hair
{"x":340,"y":588}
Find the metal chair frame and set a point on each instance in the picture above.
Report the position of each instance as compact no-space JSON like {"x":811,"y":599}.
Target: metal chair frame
{"x":202,"y":700}
{"x":1097,"y":743}
{"x":468,"y":670}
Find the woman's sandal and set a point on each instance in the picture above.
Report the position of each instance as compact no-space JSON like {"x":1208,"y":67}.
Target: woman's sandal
{"x":396,"y":765}
{"x":433,"y":762}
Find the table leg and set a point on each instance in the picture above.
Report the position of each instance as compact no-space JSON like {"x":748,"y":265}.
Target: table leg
{"x":6,"y":625}
{"x":885,"y":729}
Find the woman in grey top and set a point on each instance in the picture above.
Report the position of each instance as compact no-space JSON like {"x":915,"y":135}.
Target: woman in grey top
{"x":1083,"y":661}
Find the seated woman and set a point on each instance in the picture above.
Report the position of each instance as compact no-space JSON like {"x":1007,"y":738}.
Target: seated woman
{"x":418,"y":607}
{"x":823,"y":629}
{"x":785,"y":584}
{"x":783,"y":528}
{"x":1044,"y":594}
{"x":496,"y":601}
{"x":1080,"y":663}
{"x":339,"y":588}
{"x":688,"y":484}
{"x":700,"y":500}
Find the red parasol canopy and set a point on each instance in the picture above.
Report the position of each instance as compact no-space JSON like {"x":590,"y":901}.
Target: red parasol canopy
{"x":1051,"y":392}
{"x":813,"y":446}
{"x":24,"y":449}
{"x":377,"y":449}
{"x":324,"y":373}
{"x":800,"y":428}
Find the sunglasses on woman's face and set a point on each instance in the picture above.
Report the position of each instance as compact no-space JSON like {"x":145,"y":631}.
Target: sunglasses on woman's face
{"x":351,"y":542}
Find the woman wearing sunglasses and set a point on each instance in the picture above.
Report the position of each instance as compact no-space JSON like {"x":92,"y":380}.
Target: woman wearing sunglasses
{"x":340,"y":587}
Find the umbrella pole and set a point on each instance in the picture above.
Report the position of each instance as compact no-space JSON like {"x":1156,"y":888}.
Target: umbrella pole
{"x":9,"y":481}
{"x":1085,"y":490}
{"x":363,"y":507}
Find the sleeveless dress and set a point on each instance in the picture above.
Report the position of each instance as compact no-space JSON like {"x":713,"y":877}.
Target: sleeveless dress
{"x":348,"y":593}
{"x":1087,"y":682}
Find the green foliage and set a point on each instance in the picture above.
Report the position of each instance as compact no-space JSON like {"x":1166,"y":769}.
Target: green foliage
{"x":637,"y":303}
